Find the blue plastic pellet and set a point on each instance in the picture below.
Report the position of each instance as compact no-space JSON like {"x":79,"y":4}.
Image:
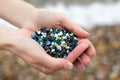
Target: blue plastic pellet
{"x":48,"y":43}
{"x":47,"y":37}
{"x":34,"y":36}
{"x":54,"y":31}
{"x":65,"y":54}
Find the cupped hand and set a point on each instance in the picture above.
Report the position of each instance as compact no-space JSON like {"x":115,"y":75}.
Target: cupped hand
{"x":32,"y":53}
{"x":47,"y":18}
{"x":30,"y":19}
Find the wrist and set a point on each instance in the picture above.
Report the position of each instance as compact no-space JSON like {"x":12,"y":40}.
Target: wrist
{"x":3,"y":39}
{"x":6,"y":39}
{"x":17,"y":12}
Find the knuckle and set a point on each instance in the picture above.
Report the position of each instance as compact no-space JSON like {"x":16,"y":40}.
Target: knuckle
{"x":86,"y":40}
{"x":57,"y":66}
{"x":62,"y":17}
{"x":62,"y":14}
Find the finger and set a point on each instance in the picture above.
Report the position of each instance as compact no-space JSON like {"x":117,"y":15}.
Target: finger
{"x":58,"y":64}
{"x":43,"y":69}
{"x":73,"y":27}
{"x":79,"y":64}
{"x":85,"y":58}
{"x":91,"y":50}
{"x":77,"y":52}
{"x":42,"y":58}
{"x":54,"y":63}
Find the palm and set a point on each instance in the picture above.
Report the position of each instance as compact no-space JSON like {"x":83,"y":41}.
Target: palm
{"x":28,"y":33}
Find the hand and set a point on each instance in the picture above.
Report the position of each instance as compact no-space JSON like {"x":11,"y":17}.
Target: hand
{"x":19,"y":42}
{"x":29,"y":19}
{"x":47,"y":18}
{"x":80,"y":56}
{"x":53,"y":19}
{"x":59,"y":20}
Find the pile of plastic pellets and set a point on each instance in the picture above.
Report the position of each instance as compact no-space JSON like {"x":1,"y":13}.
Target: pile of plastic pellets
{"x":57,"y":43}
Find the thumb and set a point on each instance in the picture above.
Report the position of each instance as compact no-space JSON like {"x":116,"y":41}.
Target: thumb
{"x":75,"y":28}
{"x":54,"y":63}
{"x":59,"y":63}
{"x":65,"y":64}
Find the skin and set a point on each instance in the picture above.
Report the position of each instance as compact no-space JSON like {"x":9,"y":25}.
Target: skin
{"x":28,"y":19}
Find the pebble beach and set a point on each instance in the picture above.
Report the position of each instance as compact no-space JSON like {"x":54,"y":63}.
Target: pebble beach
{"x":105,"y":36}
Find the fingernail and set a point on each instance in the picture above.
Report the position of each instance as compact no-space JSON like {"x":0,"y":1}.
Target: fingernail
{"x":82,"y":68}
{"x":68,"y":65}
{"x":85,"y":32}
{"x":93,"y":54}
{"x":89,"y":62}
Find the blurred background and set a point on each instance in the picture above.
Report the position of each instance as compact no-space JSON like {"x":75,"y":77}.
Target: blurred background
{"x":99,"y":17}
